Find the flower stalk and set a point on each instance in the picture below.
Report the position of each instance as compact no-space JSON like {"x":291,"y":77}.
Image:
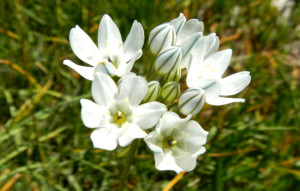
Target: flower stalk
{"x":127,"y":164}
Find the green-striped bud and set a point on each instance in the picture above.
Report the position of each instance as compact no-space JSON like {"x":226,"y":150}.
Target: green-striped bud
{"x":168,"y":60}
{"x":153,"y":92}
{"x":170,"y":91}
{"x":161,"y":37}
{"x":174,"y":75}
{"x":191,"y":101}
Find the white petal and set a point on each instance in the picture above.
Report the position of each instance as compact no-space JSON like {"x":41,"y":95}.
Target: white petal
{"x":106,"y":67}
{"x":192,"y":77}
{"x":92,"y":114}
{"x":134,"y":41}
{"x":196,"y":59}
{"x":197,"y":54}
{"x":190,"y":27}
{"x":104,"y":139}
{"x":150,"y":141}
{"x":187,"y":163}
{"x":235,"y":83}
{"x":148,"y":114}
{"x":197,"y":135}
{"x":104,"y":89}
{"x":211,"y":87}
{"x":212,"y":90}
{"x":133,"y":87}
{"x":192,"y":137}
{"x":83,"y":46}
{"x":189,"y":43}
{"x":214,"y":44}
{"x":200,"y":151}
{"x":132,"y":132}
{"x":108,"y":30}
{"x":166,"y":162}
{"x":219,"y":61}
{"x":178,"y":23}
{"x":223,"y":101}
{"x":171,"y":120}
{"x":125,"y":67}
{"x":84,"y":71}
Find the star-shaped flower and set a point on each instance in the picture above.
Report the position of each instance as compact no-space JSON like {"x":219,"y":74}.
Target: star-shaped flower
{"x":205,"y":73}
{"x":112,"y":56}
{"x":176,"y":143}
{"x":117,"y":116}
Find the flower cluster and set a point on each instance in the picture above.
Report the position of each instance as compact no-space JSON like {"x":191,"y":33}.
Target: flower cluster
{"x":127,"y":107}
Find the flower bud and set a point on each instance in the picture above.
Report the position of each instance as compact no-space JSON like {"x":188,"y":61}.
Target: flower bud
{"x":191,"y":101}
{"x":168,"y":60}
{"x":170,"y":91}
{"x":153,"y":91}
{"x":161,"y":37}
{"x":174,"y":75}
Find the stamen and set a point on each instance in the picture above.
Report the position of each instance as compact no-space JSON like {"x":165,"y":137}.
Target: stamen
{"x":169,"y":142}
{"x":111,"y":61}
{"x":119,"y":118}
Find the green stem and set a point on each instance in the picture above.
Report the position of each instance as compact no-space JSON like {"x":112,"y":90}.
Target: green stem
{"x":128,"y":162}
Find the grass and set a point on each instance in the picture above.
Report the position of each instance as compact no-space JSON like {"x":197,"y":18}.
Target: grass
{"x":45,"y":146}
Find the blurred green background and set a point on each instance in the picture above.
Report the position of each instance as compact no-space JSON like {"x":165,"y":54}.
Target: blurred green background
{"x":45,"y":146}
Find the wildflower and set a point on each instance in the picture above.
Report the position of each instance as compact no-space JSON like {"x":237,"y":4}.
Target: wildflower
{"x":206,"y":74}
{"x":112,"y":56}
{"x":176,"y":143}
{"x":117,"y":115}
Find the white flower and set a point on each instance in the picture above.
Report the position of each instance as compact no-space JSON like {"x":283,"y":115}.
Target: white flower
{"x":176,"y":143}
{"x":206,"y":74}
{"x":112,"y":56}
{"x":116,"y":115}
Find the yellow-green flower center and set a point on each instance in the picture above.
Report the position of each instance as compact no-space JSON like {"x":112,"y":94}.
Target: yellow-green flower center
{"x":169,"y":142}
{"x":119,"y":118}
